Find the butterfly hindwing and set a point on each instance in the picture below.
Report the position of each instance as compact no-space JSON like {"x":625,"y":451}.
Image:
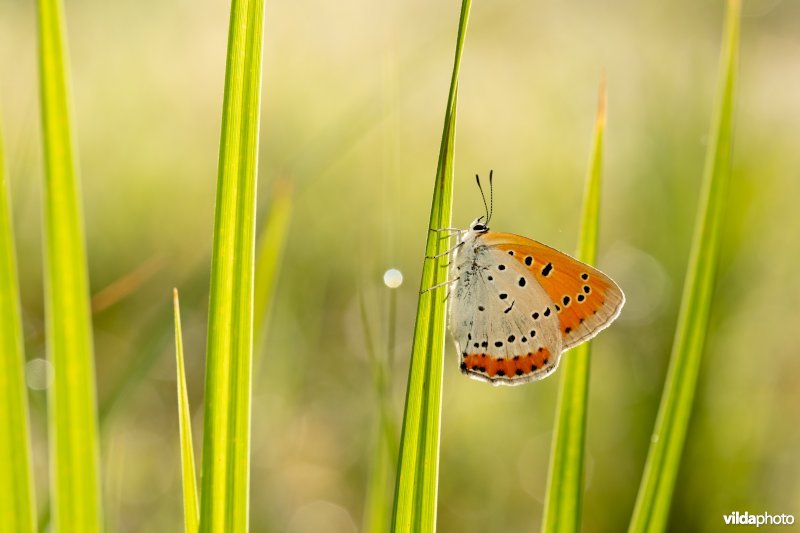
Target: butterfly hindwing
{"x":586,"y":300}
{"x":504,"y":323}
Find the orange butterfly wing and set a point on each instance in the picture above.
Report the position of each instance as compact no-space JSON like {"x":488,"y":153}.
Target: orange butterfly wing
{"x":586,"y":300}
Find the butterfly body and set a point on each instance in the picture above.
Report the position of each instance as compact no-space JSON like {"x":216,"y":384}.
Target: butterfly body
{"x":516,"y":304}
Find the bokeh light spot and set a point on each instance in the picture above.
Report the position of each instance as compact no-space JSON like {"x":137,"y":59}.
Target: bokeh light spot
{"x":38,"y":374}
{"x":393,"y":278}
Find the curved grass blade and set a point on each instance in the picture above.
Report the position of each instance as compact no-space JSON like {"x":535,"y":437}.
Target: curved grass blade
{"x":16,"y":484}
{"x":225,"y":487}
{"x":417,"y":473}
{"x":663,"y":460}
{"x":72,"y":412}
{"x":563,"y":503}
{"x":191,"y":516}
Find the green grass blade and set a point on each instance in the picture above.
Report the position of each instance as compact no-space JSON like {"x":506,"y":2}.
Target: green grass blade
{"x":72,"y":412}
{"x":663,"y":461}
{"x":16,"y":484}
{"x":191,"y":516}
{"x":563,"y":503}
{"x":380,"y":379}
{"x":417,"y":473}
{"x":377,"y":512}
{"x":225,"y":487}
{"x":269,"y":255}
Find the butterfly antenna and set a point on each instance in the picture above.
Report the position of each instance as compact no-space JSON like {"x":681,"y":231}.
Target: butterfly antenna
{"x":483,"y":196}
{"x":491,"y":197}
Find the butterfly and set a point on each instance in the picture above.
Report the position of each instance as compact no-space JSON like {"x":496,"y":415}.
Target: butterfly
{"x":515,"y":304}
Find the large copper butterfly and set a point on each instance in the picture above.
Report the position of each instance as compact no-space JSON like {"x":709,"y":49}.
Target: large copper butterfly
{"x":516,"y":304}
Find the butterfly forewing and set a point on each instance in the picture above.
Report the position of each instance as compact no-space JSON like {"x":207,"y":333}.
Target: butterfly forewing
{"x":585,"y":299}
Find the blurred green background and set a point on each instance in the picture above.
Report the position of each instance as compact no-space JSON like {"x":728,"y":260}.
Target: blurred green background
{"x":353,"y":103}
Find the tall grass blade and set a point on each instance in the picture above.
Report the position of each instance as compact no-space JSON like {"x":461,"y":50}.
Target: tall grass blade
{"x":72,"y":412}
{"x":663,"y":460}
{"x":380,"y":380}
{"x":418,"y":468}
{"x":377,"y":512}
{"x":563,"y":503}
{"x":224,"y":495}
{"x":269,"y":255}
{"x":17,"y":507}
{"x":191,"y":516}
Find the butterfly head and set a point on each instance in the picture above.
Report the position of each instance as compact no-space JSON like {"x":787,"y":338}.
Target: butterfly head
{"x":478,"y":226}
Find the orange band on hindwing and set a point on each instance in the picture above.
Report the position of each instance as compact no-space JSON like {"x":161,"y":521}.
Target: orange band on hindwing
{"x":519,"y":365}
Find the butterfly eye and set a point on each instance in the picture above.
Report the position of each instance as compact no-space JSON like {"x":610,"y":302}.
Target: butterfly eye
{"x":478,"y":227}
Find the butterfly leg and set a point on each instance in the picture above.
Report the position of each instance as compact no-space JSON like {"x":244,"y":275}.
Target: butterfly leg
{"x":451,"y":232}
{"x":451,"y":250}
{"x":442,"y":284}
